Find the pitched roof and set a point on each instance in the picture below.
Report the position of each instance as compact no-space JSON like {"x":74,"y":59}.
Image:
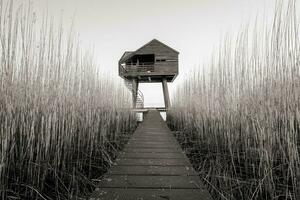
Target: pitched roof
{"x":126,"y":55}
{"x":129,"y":54}
{"x":155,"y":40}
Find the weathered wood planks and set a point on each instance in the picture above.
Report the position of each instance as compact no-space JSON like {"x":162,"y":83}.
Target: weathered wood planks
{"x":151,"y":166}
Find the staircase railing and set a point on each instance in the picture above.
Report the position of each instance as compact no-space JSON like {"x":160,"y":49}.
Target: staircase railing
{"x":140,"y":95}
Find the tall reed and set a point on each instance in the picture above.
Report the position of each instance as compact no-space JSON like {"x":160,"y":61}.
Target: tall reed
{"x":60,"y":114}
{"x":239,"y":116}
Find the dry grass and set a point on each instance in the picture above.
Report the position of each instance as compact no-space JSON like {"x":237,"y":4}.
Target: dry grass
{"x":239,"y":116}
{"x":60,"y":116}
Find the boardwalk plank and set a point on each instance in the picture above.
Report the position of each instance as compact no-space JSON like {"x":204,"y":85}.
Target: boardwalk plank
{"x":167,"y":182}
{"x":153,"y":146}
{"x":151,"y":155}
{"x":149,"y":194}
{"x":154,"y":162}
{"x":151,"y":166}
{"x":152,"y":150}
{"x":153,"y":170}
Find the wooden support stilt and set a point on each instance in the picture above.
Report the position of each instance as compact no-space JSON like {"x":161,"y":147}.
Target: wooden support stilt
{"x":166,"y":93}
{"x":135,"y":87}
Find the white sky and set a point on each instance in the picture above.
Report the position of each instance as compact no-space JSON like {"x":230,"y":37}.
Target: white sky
{"x":193,"y":27}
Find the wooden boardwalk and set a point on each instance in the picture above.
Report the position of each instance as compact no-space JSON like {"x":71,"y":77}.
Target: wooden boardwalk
{"x":151,"y":166}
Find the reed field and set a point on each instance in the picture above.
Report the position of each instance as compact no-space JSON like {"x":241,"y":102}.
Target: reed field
{"x":62,"y":118}
{"x":238,"y":117}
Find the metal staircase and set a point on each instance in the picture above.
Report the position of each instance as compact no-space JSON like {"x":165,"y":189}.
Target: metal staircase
{"x":140,"y":96}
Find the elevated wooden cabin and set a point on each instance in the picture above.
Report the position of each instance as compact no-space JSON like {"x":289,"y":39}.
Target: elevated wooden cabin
{"x":150,"y":63}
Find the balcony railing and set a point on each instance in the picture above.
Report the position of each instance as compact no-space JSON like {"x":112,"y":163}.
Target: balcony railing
{"x":135,"y":69}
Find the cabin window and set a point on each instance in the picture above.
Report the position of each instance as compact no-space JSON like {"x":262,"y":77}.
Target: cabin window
{"x":142,"y":59}
{"x":160,"y":60}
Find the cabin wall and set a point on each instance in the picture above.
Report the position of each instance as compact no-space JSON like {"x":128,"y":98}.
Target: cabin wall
{"x":166,"y":68}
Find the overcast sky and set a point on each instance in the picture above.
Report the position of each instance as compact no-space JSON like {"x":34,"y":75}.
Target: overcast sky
{"x":192,"y":27}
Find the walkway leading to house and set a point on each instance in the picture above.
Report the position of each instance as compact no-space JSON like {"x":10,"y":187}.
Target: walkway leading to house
{"x":151,"y":166}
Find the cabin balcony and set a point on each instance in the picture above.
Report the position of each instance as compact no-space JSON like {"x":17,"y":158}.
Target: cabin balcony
{"x":137,"y":69}
{"x":149,"y":71}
